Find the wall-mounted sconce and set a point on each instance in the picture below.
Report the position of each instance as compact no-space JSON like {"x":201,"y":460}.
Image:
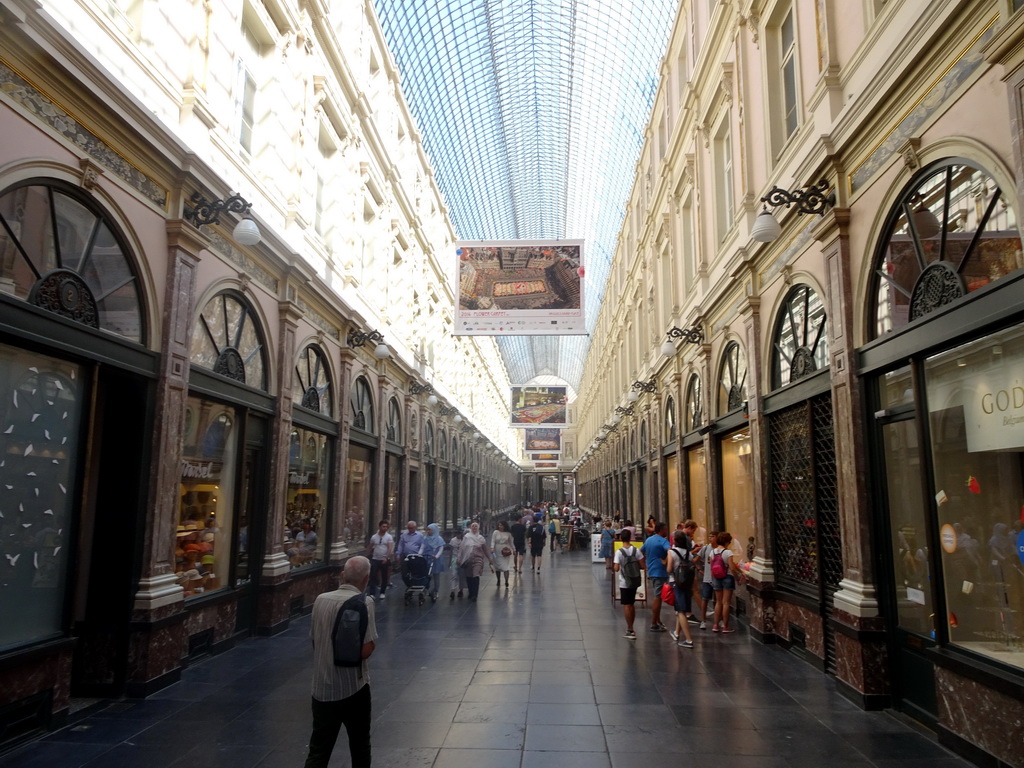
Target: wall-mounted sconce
{"x":205,"y":211}
{"x":359,"y":339}
{"x":417,"y":389}
{"x":609,"y":427}
{"x":642,"y":386}
{"x":628,"y":411}
{"x":812,"y":199}
{"x":693,"y":335}
{"x":447,"y":410}
{"x":466,"y":428}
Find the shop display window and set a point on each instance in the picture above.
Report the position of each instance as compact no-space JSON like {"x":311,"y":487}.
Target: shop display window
{"x":696,"y":459}
{"x":393,"y":484}
{"x":738,"y":493}
{"x":39,"y":437}
{"x":672,"y":490}
{"x":306,"y":519}
{"x":209,"y":466}
{"x":975,"y":396}
{"x":358,"y":495}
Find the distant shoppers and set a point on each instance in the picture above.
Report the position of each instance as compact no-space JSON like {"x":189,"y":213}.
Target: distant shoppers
{"x":537,"y":538}
{"x":655,"y":551}
{"x":341,"y":695}
{"x":433,"y":550}
{"x":501,"y":548}
{"x":381,"y":548}
{"x":650,"y":528}
{"x":555,"y":529}
{"x":723,"y":581}
{"x":628,"y":562}
{"x":518,"y":531}
{"x":458,"y":577}
{"x":607,"y":544}
{"x":473,"y":555}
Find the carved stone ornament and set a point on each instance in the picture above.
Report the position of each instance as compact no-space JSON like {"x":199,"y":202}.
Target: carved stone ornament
{"x":937,"y":286}
{"x":65,"y":293}
{"x":803,"y":364}
{"x":311,"y":399}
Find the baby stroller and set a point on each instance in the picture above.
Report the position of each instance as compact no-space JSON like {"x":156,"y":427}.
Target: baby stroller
{"x":416,"y":575}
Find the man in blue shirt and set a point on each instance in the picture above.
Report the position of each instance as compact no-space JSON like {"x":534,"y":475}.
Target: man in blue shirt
{"x":410,"y":542}
{"x":655,"y":551}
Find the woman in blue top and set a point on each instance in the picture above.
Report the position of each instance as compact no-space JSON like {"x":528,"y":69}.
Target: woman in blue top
{"x":607,"y":544}
{"x":433,"y":550}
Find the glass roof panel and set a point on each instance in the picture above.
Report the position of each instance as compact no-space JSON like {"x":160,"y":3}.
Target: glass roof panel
{"x":533,"y":114}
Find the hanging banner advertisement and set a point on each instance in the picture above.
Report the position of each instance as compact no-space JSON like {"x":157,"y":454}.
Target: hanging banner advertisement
{"x":546,"y":465}
{"x":548,"y":440}
{"x":544,"y":457}
{"x":536,"y":406}
{"x":519,"y":288}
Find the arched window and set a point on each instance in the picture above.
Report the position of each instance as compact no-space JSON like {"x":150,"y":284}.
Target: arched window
{"x":455,"y":449}
{"x":644,"y":444}
{"x":632,"y":445}
{"x":732,"y":379}
{"x":60,"y":252}
{"x":443,"y":445}
{"x":670,"y":420}
{"x":312,"y":384}
{"x":428,"y":439}
{"x":694,"y":404}
{"x":801,"y":344}
{"x":361,"y":403}
{"x":228,"y":341}
{"x":952,"y":232}
{"x":394,"y":421}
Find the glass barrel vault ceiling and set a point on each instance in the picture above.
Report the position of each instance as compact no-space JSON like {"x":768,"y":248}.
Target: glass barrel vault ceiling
{"x":533,"y":114}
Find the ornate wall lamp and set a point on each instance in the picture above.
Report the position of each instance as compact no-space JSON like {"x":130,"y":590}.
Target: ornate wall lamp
{"x":693,"y":335}
{"x":417,"y":389}
{"x":641,"y":386}
{"x":205,"y":211}
{"x":624,"y":411}
{"x":447,"y":410}
{"x":359,"y":339}
{"x":812,"y":199}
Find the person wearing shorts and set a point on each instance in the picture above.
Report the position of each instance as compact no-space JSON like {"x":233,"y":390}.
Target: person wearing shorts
{"x":518,"y":531}
{"x":683,"y":593}
{"x":707,"y":592}
{"x":627,"y":595}
{"x":725,"y":586}
{"x":538,"y":537}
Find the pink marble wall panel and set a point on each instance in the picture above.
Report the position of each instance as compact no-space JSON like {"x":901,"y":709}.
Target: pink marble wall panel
{"x":49,"y":673}
{"x":155,"y":652}
{"x":986,"y":718}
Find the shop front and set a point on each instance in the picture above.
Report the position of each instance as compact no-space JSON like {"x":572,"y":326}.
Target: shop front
{"x":945,"y":374}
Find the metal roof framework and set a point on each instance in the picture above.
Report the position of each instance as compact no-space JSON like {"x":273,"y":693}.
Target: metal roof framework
{"x":533,"y":114}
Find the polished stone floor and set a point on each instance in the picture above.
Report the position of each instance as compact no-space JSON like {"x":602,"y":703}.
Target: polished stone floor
{"x":534,"y":677}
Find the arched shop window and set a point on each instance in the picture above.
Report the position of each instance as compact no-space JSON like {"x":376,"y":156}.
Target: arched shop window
{"x":227,"y":340}
{"x":428,"y":439}
{"x":312,"y":384}
{"x":732,"y":379}
{"x":361,"y":403}
{"x":800,"y":345}
{"x":394,"y":421}
{"x":952,"y":232}
{"x":60,"y":252}
{"x":694,"y":404}
{"x":644,"y":444}
{"x":670,"y":420}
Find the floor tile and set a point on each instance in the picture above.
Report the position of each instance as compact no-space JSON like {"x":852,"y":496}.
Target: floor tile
{"x":485,"y":736}
{"x":565,"y":738}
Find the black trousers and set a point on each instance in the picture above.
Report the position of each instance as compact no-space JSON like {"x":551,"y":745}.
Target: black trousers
{"x":473,"y":582}
{"x":328,"y":717}
{"x":380,"y":576}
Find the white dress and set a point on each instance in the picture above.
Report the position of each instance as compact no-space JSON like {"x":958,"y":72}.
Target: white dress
{"x":500,"y":540}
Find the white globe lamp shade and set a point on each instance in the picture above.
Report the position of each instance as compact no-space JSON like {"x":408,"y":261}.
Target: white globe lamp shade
{"x":668,"y":349}
{"x":381,"y":351}
{"x":632,"y":396}
{"x":766,"y":229}
{"x":432,"y":400}
{"x":247,"y":233}
{"x":457,"y":419}
{"x":616,"y":418}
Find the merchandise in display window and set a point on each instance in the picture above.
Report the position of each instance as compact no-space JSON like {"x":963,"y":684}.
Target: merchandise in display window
{"x":975,"y":403}
{"x":202,"y":543}
{"x":672,"y":489}
{"x":738,"y":493}
{"x":39,"y":437}
{"x":393,"y":474}
{"x":358,"y":495}
{"x":309,"y":475}
{"x":698,"y":478}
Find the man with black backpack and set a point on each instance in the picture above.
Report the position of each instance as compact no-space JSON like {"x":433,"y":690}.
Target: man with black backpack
{"x":628,"y":564}
{"x":343,"y":634}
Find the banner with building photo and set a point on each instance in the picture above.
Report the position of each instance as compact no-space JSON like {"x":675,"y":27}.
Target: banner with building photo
{"x":544,"y":457}
{"x":546,"y":465}
{"x":519,"y":288}
{"x":542,"y":439}
{"x":540,"y":406}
